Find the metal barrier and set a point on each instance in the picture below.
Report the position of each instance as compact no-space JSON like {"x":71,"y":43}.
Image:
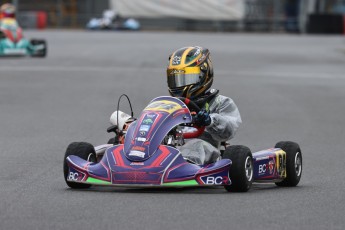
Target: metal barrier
{"x":260,"y":15}
{"x":264,"y":15}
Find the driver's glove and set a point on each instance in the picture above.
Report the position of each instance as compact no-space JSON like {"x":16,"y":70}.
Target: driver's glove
{"x":202,"y":118}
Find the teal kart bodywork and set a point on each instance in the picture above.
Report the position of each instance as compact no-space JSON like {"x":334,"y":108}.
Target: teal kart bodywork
{"x":12,"y":42}
{"x":23,"y":47}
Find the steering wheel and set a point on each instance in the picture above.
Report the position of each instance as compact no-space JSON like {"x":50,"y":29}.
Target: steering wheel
{"x":192,"y":106}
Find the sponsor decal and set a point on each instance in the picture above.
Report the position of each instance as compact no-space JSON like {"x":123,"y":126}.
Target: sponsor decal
{"x":14,"y":51}
{"x":262,"y":169}
{"x":142,"y":133}
{"x":144,"y":128}
{"x":215,"y":180}
{"x":141,"y":139}
{"x":164,"y":105}
{"x":148,"y":121}
{"x":271,"y":166}
{"x":262,"y":158}
{"x":136,"y":154}
{"x":74,"y":176}
{"x":176,"y":60}
{"x":151,"y":115}
{"x":138,"y":148}
{"x":281,"y":163}
{"x":137,"y":163}
{"x":177,"y":71}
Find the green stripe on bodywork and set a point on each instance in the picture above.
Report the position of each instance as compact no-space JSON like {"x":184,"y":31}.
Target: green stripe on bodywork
{"x":92,"y":180}
{"x":182,"y":183}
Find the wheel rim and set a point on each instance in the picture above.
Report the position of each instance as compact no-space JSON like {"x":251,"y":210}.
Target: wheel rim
{"x":249,"y":168}
{"x":298,"y":164}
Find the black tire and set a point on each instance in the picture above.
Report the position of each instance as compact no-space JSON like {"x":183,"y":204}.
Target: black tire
{"x":42,"y":53}
{"x":293,"y":170}
{"x":242,"y":160}
{"x":83,"y":150}
{"x":2,"y":35}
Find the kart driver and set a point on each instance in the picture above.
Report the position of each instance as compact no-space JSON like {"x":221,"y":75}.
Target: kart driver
{"x":190,"y":75}
{"x":7,"y":12}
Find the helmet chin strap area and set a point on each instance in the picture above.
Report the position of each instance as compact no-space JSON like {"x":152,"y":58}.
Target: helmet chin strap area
{"x":207,"y":97}
{"x":187,"y":91}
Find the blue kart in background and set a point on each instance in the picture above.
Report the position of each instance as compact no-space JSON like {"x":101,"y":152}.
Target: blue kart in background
{"x":12,"y":42}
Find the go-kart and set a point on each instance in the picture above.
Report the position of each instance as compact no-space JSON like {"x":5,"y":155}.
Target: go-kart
{"x":144,"y":153}
{"x":12,"y":42}
{"x":112,"y":21}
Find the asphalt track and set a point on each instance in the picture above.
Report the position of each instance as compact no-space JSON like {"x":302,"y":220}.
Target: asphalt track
{"x":287,"y":87}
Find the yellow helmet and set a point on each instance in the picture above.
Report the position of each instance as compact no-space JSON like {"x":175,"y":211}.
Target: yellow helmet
{"x":189,"y":72}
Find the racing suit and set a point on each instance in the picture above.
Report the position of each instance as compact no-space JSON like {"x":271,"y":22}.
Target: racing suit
{"x":225,"y":121}
{"x":11,"y":21}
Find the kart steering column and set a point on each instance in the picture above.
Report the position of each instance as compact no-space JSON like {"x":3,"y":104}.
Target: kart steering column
{"x":193,"y":107}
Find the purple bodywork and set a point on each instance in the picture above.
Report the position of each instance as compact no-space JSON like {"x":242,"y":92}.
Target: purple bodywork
{"x":142,"y":160}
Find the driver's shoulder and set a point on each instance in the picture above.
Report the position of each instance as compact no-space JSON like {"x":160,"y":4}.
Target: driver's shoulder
{"x":220,"y":99}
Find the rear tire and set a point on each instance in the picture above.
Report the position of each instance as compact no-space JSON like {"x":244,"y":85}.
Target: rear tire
{"x":241,"y":171}
{"x":42,"y":53}
{"x":293,"y":163}
{"x":83,"y":150}
{"x":2,"y":35}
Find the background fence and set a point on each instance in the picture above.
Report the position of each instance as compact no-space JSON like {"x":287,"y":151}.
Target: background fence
{"x":260,"y":15}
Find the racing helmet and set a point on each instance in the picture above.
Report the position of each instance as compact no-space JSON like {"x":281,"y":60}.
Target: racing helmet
{"x":189,"y":72}
{"x":7,"y":10}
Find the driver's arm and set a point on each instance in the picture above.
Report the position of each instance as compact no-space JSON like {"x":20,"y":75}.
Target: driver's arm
{"x":225,"y":118}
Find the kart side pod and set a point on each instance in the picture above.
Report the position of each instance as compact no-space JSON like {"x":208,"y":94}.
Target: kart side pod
{"x":269,"y":165}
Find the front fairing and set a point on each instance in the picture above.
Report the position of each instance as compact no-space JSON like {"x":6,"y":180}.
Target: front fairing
{"x":13,"y":44}
{"x":143,"y":161}
{"x":22,"y":47}
{"x":12,"y":41}
{"x":158,"y":118}
{"x":165,"y":168}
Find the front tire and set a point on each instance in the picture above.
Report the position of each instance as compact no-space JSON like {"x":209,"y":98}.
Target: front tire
{"x":293,"y":163}
{"x":241,"y":171}
{"x":83,"y":150}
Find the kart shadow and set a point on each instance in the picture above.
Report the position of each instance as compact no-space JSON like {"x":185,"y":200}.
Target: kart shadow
{"x":163,"y":190}
{"x":266,"y":187}
{"x":12,"y":57}
{"x":256,"y":188}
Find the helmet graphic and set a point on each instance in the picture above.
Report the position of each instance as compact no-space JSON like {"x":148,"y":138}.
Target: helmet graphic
{"x":189,"y":72}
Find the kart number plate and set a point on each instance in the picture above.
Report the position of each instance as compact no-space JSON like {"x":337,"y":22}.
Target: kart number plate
{"x":14,"y":51}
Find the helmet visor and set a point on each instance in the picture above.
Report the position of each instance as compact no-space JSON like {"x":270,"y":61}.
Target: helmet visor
{"x":187,"y":76}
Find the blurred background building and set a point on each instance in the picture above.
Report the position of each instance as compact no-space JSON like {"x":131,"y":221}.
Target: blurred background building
{"x":307,"y":16}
